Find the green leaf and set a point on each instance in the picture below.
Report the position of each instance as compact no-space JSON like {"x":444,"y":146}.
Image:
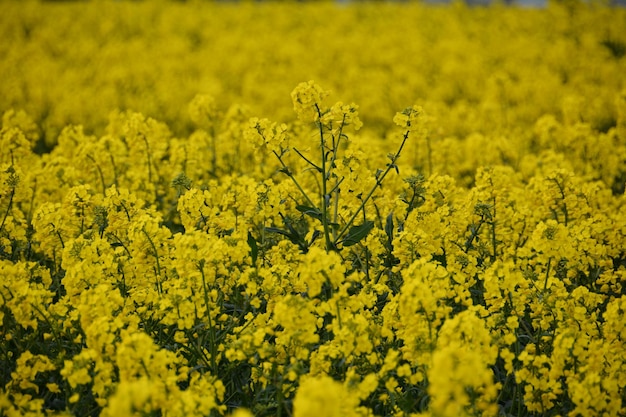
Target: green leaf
{"x":389,"y":228}
{"x":293,"y":236}
{"x":281,"y":232}
{"x":316,"y":234}
{"x":357,"y":233}
{"x":310,"y":211}
{"x":254,"y":249}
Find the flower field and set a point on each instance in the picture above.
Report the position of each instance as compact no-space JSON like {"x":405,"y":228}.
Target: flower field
{"x":189,"y":226}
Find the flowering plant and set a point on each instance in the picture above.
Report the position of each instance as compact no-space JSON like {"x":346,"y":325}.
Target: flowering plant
{"x":463,"y":257}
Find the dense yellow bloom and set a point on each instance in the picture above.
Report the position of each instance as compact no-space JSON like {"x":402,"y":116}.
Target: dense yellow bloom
{"x":25,"y":292}
{"x":419,"y":310}
{"x":28,"y":366}
{"x":323,"y":396}
{"x":76,"y":371}
{"x":294,"y":314}
{"x":204,"y":250}
{"x":340,"y":116}
{"x":460,"y":376}
{"x":263,"y":134}
{"x":307,"y":100}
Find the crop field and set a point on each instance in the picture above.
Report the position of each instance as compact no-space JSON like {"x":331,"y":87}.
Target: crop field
{"x":312,"y":209}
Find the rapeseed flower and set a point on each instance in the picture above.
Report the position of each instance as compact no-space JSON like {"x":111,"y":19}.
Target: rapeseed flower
{"x":183,"y":256}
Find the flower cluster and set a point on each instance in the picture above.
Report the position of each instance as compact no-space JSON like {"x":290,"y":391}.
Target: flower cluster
{"x":468,"y":261}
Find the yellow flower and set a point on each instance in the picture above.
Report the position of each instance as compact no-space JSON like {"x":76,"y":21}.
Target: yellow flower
{"x":295,"y":315}
{"x":54,"y":388}
{"x":77,"y":371}
{"x":263,"y":134}
{"x":132,"y":398}
{"x":241,"y":412}
{"x":323,"y":396}
{"x":340,"y":116}
{"x":461,"y":374}
{"x":25,"y":291}
{"x":307,"y":100}
{"x":409,"y":118}
{"x":28,"y":366}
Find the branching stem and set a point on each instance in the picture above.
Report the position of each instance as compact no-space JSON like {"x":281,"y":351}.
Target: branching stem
{"x":379,"y":181}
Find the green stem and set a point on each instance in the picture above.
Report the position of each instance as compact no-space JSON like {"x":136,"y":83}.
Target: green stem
{"x":156,"y":256}
{"x":494,"y":242}
{"x":429,"y":155}
{"x":114,"y":168}
{"x":336,"y":208}
{"x":335,"y":189}
{"x":31,"y":207}
{"x":290,"y":175}
{"x":149,"y":160}
{"x":564,"y":205}
{"x":338,"y":314}
{"x":379,"y":181}
{"x":208,"y":313}
{"x":121,"y":243}
{"x":58,"y":233}
{"x":91,"y":158}
{"x":545,"y":283}
{"x":6,"y":214}
{"x":336,"y":145}
{"x":325,"y":176}
{"x":307,"y":160}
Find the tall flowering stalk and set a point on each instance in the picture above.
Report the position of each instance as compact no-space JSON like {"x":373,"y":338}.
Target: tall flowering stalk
{"x":331,"y":124}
